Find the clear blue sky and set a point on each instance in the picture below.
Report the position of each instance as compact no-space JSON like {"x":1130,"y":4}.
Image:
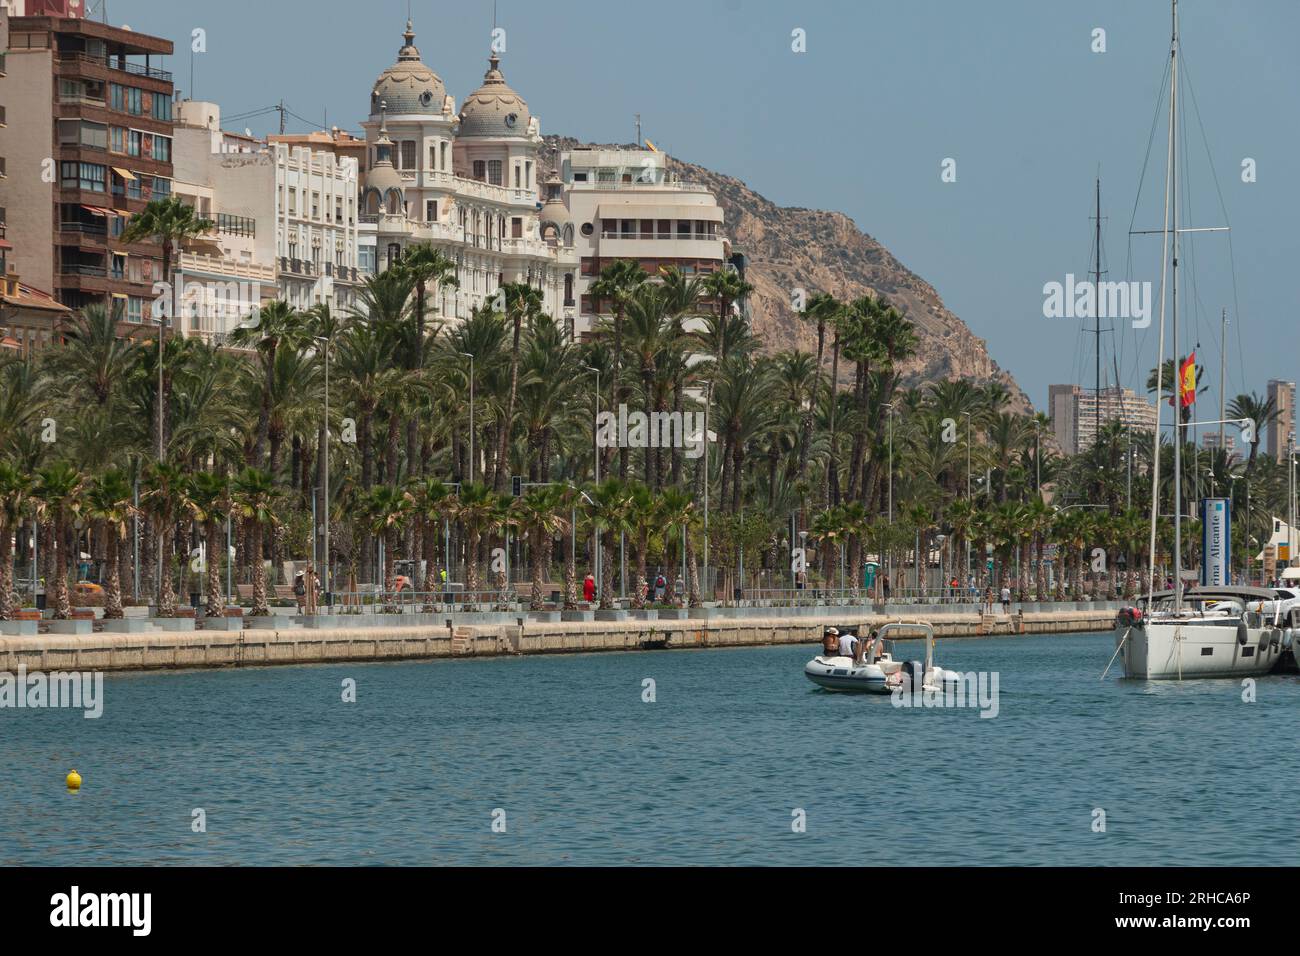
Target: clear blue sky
{"x":861,"y":122}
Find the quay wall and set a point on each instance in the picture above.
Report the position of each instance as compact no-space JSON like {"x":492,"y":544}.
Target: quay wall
{"x":296,"y":644}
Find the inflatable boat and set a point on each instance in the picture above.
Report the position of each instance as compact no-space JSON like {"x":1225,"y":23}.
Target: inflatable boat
{"x":884,"y":675}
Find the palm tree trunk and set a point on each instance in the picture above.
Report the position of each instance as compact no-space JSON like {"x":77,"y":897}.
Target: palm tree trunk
{"x":166,"y":590}
{"x":641,"y":545}
{"x":254,"y":534}
{"x":62,"y":606}
{"x":471,"y":562}
{"x":570,"y":574}
{"x":607,"y":571}
{"x":6,"y":573}
{"x":692,"y":573}
{"x":535,"y":561}
{"x":216,"y":598}
{"x":112,"y":576}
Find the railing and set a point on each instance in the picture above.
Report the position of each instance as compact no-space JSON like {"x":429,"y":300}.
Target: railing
{"x":93,"y":228}
{"x":80,"y":99}
{"x":634,"y":236}
{"x":667,"y":187}
{"x":96,"y":272}
{"x":408,"y":601}
{"x":124,"y":66}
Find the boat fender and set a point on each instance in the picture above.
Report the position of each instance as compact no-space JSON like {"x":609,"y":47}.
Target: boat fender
{"x":1243,"y":634}
{"x":1288,"y":638}
{"x":1277,"y":638}
{"x":1265,"y":636}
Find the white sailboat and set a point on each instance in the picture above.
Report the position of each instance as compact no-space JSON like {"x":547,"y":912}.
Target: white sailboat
{"x":1205,"y":631}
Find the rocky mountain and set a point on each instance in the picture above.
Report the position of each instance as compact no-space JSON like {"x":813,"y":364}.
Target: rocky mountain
{"x":816,"y":250}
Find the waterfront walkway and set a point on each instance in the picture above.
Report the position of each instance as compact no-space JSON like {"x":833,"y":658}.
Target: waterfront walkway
{"x":285,"y":640}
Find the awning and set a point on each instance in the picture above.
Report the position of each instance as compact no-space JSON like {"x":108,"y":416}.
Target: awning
{"x":125,"y":173}
{"x":118,"y":295}
{"x":94,"y":210}
{"x":5,"y":244}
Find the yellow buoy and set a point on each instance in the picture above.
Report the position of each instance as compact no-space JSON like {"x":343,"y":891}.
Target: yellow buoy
{"x":74,"y":780}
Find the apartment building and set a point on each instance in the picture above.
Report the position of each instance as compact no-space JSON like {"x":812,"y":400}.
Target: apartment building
{"x":624,"y":204}
{"x":1281,"y":431}
{"x":1073,"y":411}
{"x":87,"y":144}
{"x":285,"y":216}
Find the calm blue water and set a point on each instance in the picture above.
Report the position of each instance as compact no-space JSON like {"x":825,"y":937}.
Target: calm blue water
{"x":708,"y":774}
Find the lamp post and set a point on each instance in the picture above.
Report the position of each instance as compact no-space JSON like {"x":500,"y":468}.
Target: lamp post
{"x":325,"y":476}
{"x":471,"y":413}
{"x":889,"y":564}
{"x":595,"y":448}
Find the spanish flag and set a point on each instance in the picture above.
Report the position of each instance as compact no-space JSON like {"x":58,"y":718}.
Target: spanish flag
{"x":1187,"y":381}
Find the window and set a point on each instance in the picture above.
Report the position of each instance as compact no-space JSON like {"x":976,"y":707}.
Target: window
{"x":494,"y":172}
{"x":293,"y":201}
{"x":135,"y":309}
{"x":433,"y":157}
{"x":366,"y":259}
{"x":568,"y":288}
{"x":683,"y":229}
{"x":162,"y":188}
{"x":431,"y":210}
{"x":119,"y":142}
{"x":443,"y":150}
{"x":315,"y":205}
{"x":89,"y":176}
{"x":516,"y":228}
{"x":116,"y":96}
{"x":133,"y":142}
{"x":579,"y":177}
{"x":162,"y":107}
{"x":528,"y":175}
{"x":162,"y":149}
{"x":518,"y":175}
{"x":480,"y":170}
{"x":408,"y":154}
{"x":119,"y":266}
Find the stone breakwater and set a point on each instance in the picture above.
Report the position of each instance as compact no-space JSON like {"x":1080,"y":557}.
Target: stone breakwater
{"x":295,"y":644}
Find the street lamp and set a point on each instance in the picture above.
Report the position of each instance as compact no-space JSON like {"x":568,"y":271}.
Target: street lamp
{"x":889,"y":564}
{"x":595,"y":447}
{"x":325,"y":481}
{"x":471,"y":413}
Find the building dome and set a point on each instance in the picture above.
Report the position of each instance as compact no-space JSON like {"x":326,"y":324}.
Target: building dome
{"x":554,"y":215}
{"x":494,"y":109}
{"x":408,"y":86}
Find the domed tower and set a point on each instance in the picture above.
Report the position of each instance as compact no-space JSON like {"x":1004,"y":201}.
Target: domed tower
{"x":498,"y":138}
{"x":384,"y":193}
{"x":556,"y":223}
{"x":408,"y":87}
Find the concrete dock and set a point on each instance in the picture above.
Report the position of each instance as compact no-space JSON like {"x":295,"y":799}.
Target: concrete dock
{"x":295,"y":644}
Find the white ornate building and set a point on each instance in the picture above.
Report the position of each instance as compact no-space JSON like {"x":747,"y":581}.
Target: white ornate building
{"x":466,"y":182}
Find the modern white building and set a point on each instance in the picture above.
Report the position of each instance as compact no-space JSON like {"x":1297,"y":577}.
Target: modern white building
{"x":626,"y":204}
{"x":286,"y":217}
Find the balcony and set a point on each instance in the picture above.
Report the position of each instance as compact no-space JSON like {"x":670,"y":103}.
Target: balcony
{"x":93,"y":272}
{"x":123,"y":66}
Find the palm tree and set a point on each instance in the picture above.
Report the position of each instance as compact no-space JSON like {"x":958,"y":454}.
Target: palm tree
{"x":430,"y":502}
{"x":521,"y":300}
{"x":427,"y":266}
{"x":611,"y":506}
{"x":254,"y":503}
{"x":108,"y":504}
{"x":165,"y":498}
{"x":1261,"y":412}
{"x":59,"y":494}
{"x":209,"y":503}
{"x":168,"y":223}
{"x":540,"y":515}
{"x":679,"y":513}
{"x":642,"y":517}
{"x":387,"y":509}
{"x":15,"y":493}
{"x":618,"y":282}
{"x":277,"y":324}
{"x":727,"y":287}
{"x":477,"y":508}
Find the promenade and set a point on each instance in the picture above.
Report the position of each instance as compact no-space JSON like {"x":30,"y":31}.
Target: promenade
{"x":295,"y":640}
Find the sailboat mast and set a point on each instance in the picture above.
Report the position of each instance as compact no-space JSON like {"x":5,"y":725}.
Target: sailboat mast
{"x":1223,"y":371}
{"x":1173,"y":299}
{"x":1096,"y":313}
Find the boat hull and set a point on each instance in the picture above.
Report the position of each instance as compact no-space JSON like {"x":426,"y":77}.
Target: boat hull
{"x":1169,"y":650}
{"x":840,"y":674}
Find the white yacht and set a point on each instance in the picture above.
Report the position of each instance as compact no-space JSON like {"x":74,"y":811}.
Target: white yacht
{"x":1213,"y":632}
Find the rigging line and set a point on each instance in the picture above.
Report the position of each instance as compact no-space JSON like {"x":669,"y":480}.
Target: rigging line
{"x":1223,"y":208}
{"x":1137,"y":199}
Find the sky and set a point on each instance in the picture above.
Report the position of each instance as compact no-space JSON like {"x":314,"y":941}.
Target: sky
{"x":1015,"y":92}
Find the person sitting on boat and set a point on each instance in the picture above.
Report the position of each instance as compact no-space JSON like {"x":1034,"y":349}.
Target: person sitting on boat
{"x":874,"y":647}
{"x":847,"y":645}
